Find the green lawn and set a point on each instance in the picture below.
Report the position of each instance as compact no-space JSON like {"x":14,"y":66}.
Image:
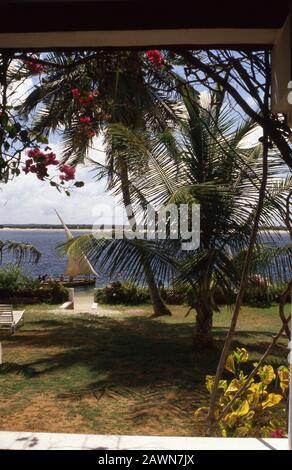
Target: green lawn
{"x":127,"y":374}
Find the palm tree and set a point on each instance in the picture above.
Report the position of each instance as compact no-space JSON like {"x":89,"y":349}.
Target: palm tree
{"x":128,"y":93}
{"x":206,"y":165}
{"x":20,"y":251}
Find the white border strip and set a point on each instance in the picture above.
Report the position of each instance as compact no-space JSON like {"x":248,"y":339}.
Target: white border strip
{"x":60,"y":441}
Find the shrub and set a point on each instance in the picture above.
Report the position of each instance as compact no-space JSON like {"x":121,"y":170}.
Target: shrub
{"x":15,"y":287}
{"x":12,"y":279}
{"x":57,"y":293}
{"x":173,"y":297}
{"x":251,"y":413}
{"x":263,"y":296}
{"x":257,"y":296}
{"x":128,"y":294}
{"x":121,"y":293}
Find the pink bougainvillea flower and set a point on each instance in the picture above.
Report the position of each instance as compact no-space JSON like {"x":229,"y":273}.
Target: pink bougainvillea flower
{"x":90,"y":134}
{"x":26,"y":168}
{"x":155,"y":57}
{"x":46,"y":158}
{"x":34,"y":67}
{"x":69,"y":172}
{"x":96,"y":93}
{"x":51,"y":159}
{"x":41,"y":172}
{"x":32,"y":168}
{"x":38,"y":162}
{"x":85,"y":100}
{"x":85,"y":119}
{"x":75,"y":92}
{"x":33,"y":153}
{"x":258,"y":280}
{"x":277,"y":433}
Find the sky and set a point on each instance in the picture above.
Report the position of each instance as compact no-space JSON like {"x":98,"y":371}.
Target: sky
{"x":27,"y":200}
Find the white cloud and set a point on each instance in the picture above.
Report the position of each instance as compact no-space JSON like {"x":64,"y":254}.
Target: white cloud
{"x":29,"y":200}
{"x":26,"y":199}
{"x":18,"y":90}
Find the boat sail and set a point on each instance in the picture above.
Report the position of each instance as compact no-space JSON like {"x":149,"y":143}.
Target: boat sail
{"x":76,"y":266}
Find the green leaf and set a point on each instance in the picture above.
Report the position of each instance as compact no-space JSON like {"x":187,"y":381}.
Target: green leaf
{"x":79,"y":184}
{"x":230,"y":366}
{"x":24,"y":135}
{"x":271,"y":400}
{"x":6,"y":146}
{"x":12,"y":130}
{"x":43,"y":139}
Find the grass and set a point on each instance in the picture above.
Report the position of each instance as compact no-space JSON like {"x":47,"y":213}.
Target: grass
{"x":124,"y":374}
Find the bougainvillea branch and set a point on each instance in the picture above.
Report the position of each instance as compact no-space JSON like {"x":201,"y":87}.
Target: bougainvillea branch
{"x":20,"y":146}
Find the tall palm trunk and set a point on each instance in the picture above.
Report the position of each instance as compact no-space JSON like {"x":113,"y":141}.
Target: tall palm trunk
{"x":159,"y":306}
{"x":203,"y":336}
{"x":135,"y":121}
{"x":204,"y":305}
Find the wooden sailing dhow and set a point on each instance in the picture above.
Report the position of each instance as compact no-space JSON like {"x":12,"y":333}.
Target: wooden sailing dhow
{"x":79,"y":271}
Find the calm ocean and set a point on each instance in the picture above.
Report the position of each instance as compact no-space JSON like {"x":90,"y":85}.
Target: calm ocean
{"x":52,"y":263}
{"x":46,"y":242}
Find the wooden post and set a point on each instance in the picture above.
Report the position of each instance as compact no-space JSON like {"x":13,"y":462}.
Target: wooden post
{"x":282,"y":71}
{"x":1,"y":362}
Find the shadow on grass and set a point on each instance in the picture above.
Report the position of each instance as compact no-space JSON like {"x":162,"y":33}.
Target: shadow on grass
{"x":132,"y":354}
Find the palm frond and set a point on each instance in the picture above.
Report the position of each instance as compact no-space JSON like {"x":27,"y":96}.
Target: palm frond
{"x":122,"y":258}
{"x":21,"y":252}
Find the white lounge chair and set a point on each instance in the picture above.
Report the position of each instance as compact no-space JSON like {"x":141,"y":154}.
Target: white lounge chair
{"x":10,"y":320}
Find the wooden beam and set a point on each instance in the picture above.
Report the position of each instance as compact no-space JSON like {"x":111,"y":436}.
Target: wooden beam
{"x":140,"y":38}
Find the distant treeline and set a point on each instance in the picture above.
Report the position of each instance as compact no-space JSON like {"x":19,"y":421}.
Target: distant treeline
{"x":46,"y":226}
{"x":53,"y":226}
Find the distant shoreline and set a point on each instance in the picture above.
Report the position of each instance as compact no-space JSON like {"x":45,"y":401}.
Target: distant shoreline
{"x":89,"y":229}
{"x":31,"y":229}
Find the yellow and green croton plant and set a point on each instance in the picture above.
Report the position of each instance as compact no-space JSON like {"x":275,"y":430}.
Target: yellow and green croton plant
{"x":260,"y":410}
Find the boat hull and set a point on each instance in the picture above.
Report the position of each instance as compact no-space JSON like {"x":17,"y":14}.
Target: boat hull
{"x":73,"y":282}
{"x":78,"y":283}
